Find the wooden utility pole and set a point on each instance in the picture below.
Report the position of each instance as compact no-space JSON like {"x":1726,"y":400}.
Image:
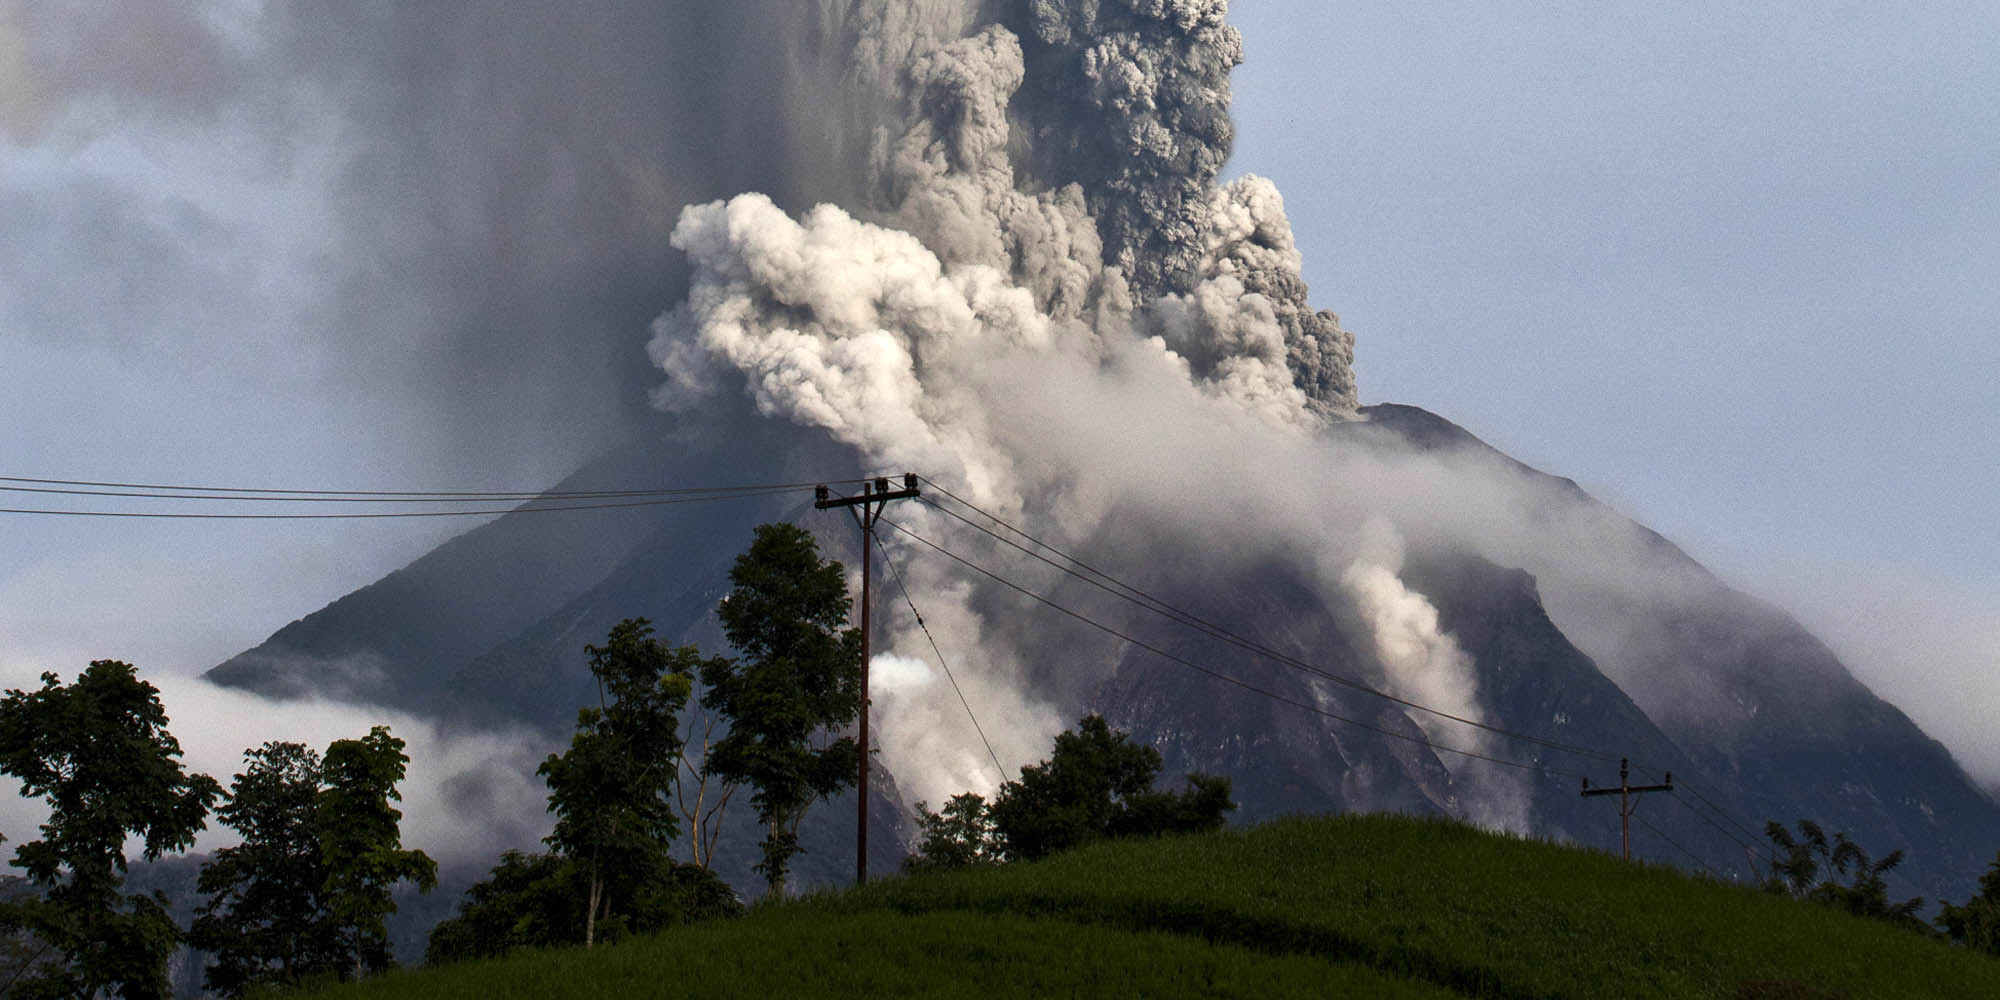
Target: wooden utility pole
{"x":1627,"y":805}
{"x":873,"y":496}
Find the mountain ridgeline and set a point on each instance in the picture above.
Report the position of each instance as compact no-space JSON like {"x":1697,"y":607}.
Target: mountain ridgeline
{"x":1755,"y":718}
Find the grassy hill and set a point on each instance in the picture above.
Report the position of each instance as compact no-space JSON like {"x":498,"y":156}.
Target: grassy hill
{"x":1363,"y":906}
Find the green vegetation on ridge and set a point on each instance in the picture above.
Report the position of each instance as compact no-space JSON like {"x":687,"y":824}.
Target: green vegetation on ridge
{"x":1332,"y":906}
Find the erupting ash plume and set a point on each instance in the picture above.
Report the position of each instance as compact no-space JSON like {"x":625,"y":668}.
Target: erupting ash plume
{"x":1043,"y":218}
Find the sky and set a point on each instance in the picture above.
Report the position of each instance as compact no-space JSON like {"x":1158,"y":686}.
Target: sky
{"x":1731,"y":268}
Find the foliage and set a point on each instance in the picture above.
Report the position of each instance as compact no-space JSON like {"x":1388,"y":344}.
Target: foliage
{"x":362,"y":846}
{"x":798,"y":679}
{"x":1796,"y":873}
{"x":1977,"y":923}
{"x":531,"y":901}
{"x":611,"y":790}
{"x":526,"y":901}
{"x":98,"y":751}
{"x":1098,"y":783}
{"x":960,"y":836}
{"x":265,"y":919}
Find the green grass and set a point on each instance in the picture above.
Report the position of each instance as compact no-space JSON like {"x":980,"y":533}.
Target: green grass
{"x":1365,"y":906}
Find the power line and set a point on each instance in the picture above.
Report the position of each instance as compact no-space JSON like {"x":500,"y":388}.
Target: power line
{"x":354,"y":515}
{"x":356,"y":498}
{"x":1127,"y":592}
{"x":364,"y":495}
{"x":1110,"y":584}
{"x":976,"y":727}
{"x":1691,"y":856}
{"x":1756,"y":845}
{"x":1216,"y":674}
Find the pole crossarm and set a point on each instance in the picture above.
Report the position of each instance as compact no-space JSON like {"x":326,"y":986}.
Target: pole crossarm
{"x":874,"y":496}
{"x":1627,"y":805}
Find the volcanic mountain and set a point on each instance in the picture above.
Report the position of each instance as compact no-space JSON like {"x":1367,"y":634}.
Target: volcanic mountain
{"x":1287,"y":694}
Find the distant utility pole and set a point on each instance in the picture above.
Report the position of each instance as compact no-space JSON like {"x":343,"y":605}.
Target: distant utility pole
{"x":1626,"y":804}
{"x":873,"y":497}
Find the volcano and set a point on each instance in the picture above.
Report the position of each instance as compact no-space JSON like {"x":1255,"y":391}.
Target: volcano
{"x":1755,"y":718}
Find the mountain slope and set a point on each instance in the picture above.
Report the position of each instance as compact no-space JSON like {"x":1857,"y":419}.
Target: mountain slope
{"x":1756,"y":719}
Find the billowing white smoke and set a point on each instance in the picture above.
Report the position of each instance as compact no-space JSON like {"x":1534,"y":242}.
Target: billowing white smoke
{"x":974,"y":320}
{"x":933,"y":338}
{"x":1426,"y":665}
{"x":922,"y":719}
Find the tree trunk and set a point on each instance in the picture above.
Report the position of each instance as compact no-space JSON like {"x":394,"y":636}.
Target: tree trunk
{"x":590,"y":915}
{"x":777,"y":875}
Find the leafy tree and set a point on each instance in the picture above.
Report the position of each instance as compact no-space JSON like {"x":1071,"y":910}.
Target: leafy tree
{"x":611,"y":790}
{"x":362,"y":846}
{"x":98,"y":751}
{"x":797,"y":681}
{"x":531,"y":900}
{"x":526,"y":901}
{"x":1977,"y":923}
{"x":1098,"y":783}
{"x":266,"y":920}
{"x":960,"y":836}
{"x":1802,"y":860}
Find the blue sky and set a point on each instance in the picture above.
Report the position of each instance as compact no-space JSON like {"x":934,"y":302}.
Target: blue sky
{"x":1732,"y":267}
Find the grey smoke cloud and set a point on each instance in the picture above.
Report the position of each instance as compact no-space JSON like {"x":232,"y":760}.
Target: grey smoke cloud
{"x":459,"y":214}
{"x":913,"y":333}
{"x":58,"y":59}
{"x":1130,"y":99}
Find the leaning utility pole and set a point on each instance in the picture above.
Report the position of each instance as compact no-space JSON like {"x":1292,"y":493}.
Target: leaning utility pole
{"x":1626,"y":804}
{"x":873,"y":496}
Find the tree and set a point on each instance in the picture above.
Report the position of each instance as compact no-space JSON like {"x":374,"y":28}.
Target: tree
{"x":702,"y":798}
{"x":526,"y":901}
{"x":1098,"y":783}
{"x":797,"y":680}
{"x":1977,"y":923}
{"x":959,"y":836}
{"x":611,"y":790}
{"x":362,"y":846}
{"x":266,"y":920}
{"x":531,"y":901}
{"x":1796,"y":873}
{"x":98,"y":751}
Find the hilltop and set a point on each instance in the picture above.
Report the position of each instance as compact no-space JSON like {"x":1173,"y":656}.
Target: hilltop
{"x":1355,"y":905}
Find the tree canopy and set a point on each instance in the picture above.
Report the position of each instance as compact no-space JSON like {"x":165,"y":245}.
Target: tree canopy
{"x":612,"y":789}
{"x":265,"y":919}
{"x":795,"y":682}
{"x":1096,"y":783}
{"x":362,"y":845}
{"x":1976,"y":924}
{"x":99,"y":753}
{"x":1804,"y":859}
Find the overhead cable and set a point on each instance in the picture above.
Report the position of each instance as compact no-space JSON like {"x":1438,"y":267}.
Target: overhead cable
{"x":1111,"y":585}
{"x":976,"y":727}
{"x":1216,"y":674}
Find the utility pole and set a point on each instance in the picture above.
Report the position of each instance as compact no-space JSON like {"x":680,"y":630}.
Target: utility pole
{"x":1626,"y":804}
{"x":873,"y":497}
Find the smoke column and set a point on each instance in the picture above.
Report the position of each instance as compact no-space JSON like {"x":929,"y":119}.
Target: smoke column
{"x":1043,"y":211}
